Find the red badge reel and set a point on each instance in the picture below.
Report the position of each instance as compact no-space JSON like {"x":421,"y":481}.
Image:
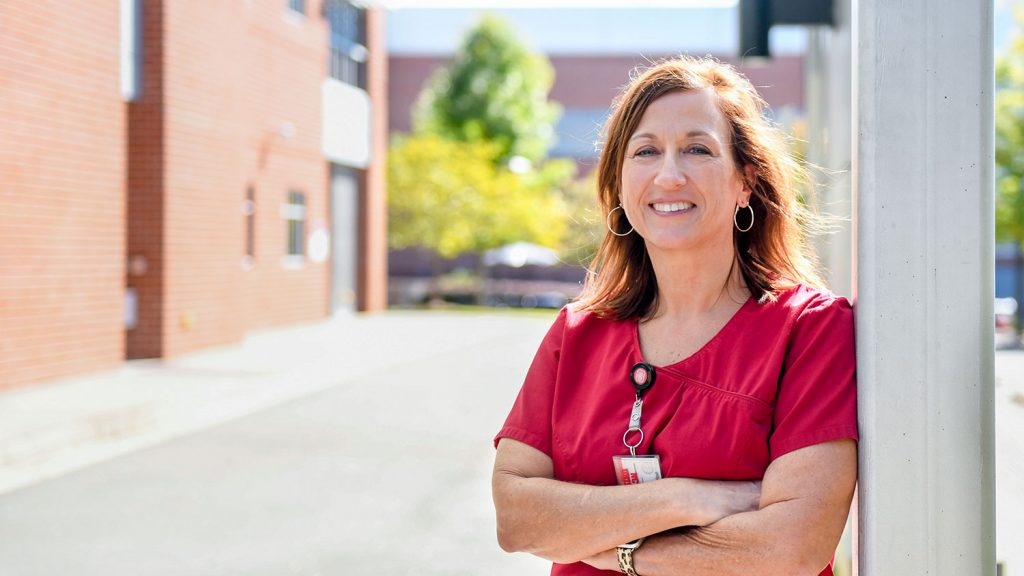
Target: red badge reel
{"x":633,"y":469}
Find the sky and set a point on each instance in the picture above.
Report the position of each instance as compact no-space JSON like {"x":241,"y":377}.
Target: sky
{"x":614,"y":26}
{"x":706,"y":28}
{"x":1004,"y":24}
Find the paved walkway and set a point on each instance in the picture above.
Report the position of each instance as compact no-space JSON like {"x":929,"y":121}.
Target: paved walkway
{"x":354,"y":446}
{"x":51,"y":429}
{"x":1010,"y":461}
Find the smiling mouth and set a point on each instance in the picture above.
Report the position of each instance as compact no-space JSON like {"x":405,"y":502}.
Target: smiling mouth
{"x":672,"y":207}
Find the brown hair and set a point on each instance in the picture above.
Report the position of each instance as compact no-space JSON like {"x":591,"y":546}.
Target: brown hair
{"x":772,"y":256}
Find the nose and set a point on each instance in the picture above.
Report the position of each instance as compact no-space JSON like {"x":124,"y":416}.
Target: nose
{"x":670,"y":173}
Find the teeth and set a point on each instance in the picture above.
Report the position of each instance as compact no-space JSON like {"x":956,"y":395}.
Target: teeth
{"x":672,"y":207}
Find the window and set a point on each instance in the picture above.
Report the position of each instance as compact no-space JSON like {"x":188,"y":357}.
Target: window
{"x":347,"y":61}
{"x":249,"y":211}
{"x":294,"y":213}
{"x":298,"y":6}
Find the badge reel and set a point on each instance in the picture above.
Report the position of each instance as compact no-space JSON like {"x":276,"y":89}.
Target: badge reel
{"x":634,"y":469}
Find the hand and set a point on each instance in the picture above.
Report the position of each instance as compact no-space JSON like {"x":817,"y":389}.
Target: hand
{"x":607,"y":560}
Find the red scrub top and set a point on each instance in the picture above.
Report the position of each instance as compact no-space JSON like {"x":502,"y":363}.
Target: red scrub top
{"x":779,"y":376}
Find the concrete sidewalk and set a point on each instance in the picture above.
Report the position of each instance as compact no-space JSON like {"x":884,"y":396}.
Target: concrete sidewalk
{"x":51,"y":429}
{"x":412,"y":369}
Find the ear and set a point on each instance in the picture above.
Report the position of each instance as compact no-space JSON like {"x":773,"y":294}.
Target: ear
{"x":749,"y":179}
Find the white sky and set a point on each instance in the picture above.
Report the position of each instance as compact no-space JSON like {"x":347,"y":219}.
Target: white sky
{"x":710,"y":27}
{"x":490,"y":4}
{"x":601,"y":26}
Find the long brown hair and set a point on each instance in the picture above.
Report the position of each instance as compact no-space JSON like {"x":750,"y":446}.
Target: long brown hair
{"x":772,"y":256}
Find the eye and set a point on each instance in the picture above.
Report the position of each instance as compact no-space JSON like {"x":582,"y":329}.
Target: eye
{"x":645,"y":152}
{"x":698,"y":149}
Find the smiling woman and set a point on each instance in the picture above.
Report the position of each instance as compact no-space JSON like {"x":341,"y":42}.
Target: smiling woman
{"x":679,"y":180}
{"x":711,"y":123}
{"x":695,"y":412}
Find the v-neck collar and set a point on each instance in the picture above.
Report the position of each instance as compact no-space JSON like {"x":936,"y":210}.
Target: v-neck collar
{"x":711,"y":343}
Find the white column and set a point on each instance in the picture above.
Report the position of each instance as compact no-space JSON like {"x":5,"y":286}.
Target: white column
{"x":923,"y":181}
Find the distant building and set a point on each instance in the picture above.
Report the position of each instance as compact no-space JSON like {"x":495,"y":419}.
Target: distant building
{"x":593,"y":52}
{"x":585,"y":86}
{"x":174,"y":174}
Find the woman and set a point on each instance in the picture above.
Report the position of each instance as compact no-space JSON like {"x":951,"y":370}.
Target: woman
{"x":700,"y":339}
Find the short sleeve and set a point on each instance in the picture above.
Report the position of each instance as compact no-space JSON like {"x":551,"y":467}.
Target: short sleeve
{"x":529,"y":421}
{"x":817,"y":394}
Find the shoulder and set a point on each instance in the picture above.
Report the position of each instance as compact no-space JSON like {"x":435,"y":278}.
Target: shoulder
{"x":575,"y":318}
{"x":801,"y":308}
{"x":801,"y":300}
{"x":575,"y":324}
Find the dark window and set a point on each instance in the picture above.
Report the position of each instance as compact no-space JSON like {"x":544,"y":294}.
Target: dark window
{"x":347,"y":61}
{"x":295,"y":215}
{"x":249,"y":211}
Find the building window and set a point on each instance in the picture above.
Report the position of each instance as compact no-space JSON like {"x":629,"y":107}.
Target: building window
{"x":249,"y":211}
{"x":295,"y":215}
{"x":347,"y":61}
{"x":297,"y":6}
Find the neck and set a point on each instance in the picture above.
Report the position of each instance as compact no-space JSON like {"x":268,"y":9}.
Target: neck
{"x":697,"y":281}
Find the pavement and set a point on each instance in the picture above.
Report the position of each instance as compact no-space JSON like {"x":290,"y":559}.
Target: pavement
{"x":361,"y":445}
{"x":356,"y":445}
{"x":1009,"y":407}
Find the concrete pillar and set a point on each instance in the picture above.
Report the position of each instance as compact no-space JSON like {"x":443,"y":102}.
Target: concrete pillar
{"x":923,"y":181}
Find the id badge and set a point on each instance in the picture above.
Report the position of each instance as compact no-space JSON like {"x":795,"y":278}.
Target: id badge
{"x":637,"y":469}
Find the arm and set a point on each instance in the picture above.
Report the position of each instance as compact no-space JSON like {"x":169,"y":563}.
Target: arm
{"x":565,"y":522}
{"x":804,"y":503}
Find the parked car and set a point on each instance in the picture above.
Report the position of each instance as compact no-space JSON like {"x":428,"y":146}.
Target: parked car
{"x":1006,"y":325}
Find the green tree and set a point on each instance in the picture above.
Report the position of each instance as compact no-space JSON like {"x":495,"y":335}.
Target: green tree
{"x":1009,"y":116}
{"x":473,"y":174}
{"x":493,"y":90}
{"x":452,"y":197}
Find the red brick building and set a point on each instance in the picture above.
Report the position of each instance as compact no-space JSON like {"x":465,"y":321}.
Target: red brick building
{"x":232,"y":181}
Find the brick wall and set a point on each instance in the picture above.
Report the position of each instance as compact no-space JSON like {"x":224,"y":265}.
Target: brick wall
{"x":373,"y":290}
{"x":240,"y":107}
{"x":145,"y":144}
{"x":286,"y":67}
{"x":231,"y":100}
{"x":62,"y":173}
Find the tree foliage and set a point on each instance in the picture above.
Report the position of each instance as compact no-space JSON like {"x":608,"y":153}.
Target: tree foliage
{"x":450,"y":185}
{"x":452,"y":197}
{"x":493,"y":90}
{"x":1009,"y":115}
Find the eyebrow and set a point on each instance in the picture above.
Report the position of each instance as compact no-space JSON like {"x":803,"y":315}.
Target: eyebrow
{"x":690,"y":134}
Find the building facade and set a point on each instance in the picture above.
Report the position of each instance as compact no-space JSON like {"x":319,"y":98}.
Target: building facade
{"x":170,"y":182}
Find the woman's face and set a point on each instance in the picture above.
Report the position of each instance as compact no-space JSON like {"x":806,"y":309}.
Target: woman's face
{"x":680,"y":184}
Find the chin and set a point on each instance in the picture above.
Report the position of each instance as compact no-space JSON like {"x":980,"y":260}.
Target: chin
{"x":671,"y":244}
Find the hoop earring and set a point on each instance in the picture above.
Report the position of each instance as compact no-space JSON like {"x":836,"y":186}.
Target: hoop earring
{"x":734,"y":220}
{"x":608,"y":222}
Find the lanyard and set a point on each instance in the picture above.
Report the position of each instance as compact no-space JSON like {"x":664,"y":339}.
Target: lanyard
{"x":642,"y":376}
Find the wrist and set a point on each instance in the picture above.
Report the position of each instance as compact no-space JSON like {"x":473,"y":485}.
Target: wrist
{"x":689,"y":503}
{"x":625,"y":553}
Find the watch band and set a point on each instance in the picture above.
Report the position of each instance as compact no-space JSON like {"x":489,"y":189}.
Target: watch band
{"x":625,"y":554}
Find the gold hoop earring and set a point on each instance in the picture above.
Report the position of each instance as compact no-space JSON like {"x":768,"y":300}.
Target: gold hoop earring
{"x":608,"y":222}
{"x":734,"y":220}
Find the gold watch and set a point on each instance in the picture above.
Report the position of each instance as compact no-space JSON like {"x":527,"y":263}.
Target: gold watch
{"x":626,"y":556}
